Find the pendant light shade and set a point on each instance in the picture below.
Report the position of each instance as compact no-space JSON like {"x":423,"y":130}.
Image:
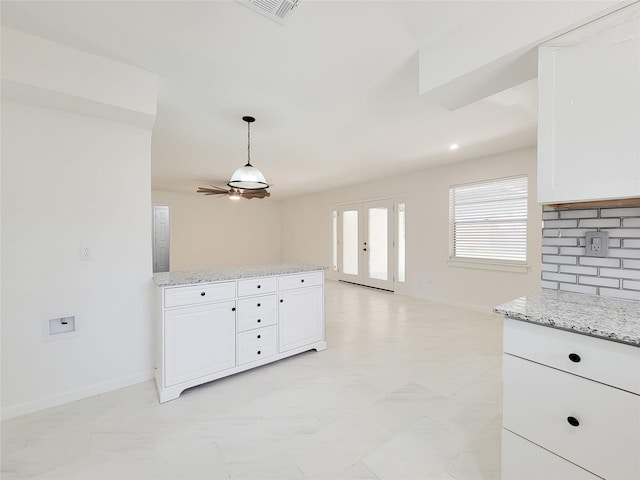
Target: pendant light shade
{"x":248,"y":177}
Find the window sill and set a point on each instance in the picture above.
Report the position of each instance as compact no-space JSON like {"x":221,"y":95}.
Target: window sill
{"x":489,"y":265}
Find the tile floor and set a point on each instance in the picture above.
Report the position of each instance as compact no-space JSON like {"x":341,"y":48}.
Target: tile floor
{"x":408,"y":389}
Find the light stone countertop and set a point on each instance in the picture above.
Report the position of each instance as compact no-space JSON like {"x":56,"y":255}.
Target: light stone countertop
{"x":173,"y":279}
{"x":608,"y":318}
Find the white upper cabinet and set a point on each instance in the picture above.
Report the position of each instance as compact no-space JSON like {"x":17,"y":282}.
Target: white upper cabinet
{"x":589,"y":111}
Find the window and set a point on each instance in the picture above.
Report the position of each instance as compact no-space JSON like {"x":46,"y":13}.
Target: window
{"x":401,"y":241}
{"x":488,"y":222}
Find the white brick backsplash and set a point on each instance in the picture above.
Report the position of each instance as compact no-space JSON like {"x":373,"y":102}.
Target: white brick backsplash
{"x":622,"y":232}
{"x":580,"y":251}
{"x":631,"y":284}
{"x":628,"y":294}
{"x":559,"y":277}
{"x":561,"y":223}
{"x":600,"y":262}
{"x":620,"y":273}
{"x":626,"y":263}
{"x":569,"y":287}
{"x":569,"y":242}
{"x":624,"y":253}
{"x":559,"y":259}
{"x":565,"y":265}
{"x":578,"y":213}
{"x":599,"y":281}
{"x":620,"y":212}
{"x":573,"y":232}
{"x":600,"y":223}
{"x":578,"y":270}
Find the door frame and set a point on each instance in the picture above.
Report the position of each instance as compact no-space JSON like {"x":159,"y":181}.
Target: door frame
{"x":363,"y":276}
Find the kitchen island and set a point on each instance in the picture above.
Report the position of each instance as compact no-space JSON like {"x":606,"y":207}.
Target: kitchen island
{"x":217,"y":322}
{"x":571,"y":387}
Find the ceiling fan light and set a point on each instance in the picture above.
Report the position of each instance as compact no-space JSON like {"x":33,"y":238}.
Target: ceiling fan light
{"x":248,"y":178}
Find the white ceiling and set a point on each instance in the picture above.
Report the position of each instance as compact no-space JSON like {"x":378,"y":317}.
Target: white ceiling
{"x":334,"y":91}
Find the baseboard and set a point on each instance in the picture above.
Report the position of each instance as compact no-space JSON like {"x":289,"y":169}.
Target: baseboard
{"x":24,"y":408}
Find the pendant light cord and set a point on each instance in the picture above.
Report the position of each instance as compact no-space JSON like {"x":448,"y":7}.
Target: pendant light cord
{"x":248,"y":144}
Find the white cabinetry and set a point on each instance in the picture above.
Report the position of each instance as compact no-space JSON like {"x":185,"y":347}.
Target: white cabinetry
{"x":588,"y":111}
{"x":569,"y":400}
{"x":199,"y":341}
{"x":212,"y":330}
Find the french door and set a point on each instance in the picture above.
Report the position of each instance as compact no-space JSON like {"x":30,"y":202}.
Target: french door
{"x":365,"y":244}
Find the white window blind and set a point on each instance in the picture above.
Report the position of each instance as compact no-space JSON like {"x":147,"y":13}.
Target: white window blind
{"x":488,"y":220}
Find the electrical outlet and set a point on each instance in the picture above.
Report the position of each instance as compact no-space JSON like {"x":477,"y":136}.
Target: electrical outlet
{"x":85,"y":252}
{"x":596,"y":244}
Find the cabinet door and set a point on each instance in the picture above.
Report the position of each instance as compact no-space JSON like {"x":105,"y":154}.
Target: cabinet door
{"x":523,"y":460}
{"x":588,"y":103}
{"x":300,"y":317}
{"x":199,"y":341}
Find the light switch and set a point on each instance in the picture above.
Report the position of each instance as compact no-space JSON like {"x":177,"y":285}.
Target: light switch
{"x":596,"y":244}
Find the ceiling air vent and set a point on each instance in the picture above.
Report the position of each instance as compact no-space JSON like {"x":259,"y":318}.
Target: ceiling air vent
{"x":278,"y":10}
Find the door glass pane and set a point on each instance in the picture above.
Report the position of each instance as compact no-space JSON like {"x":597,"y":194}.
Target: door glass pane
{"x":350,"y":242}
{"x":334,"y":240}
{"x":378,"y":243}
{"x":401,"y":242}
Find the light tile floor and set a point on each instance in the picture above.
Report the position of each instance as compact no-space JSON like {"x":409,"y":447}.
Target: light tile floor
{"x":408,"y":389}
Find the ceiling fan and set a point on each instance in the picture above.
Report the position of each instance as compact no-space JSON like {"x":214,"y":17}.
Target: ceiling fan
{"x":235,"y":193}
{"x":246,"y":182}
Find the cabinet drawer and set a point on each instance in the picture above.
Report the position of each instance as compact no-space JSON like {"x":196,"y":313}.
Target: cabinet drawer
{"x":256,"y":286}
{"x":256,"y":312}
{"x":256,"y":344}
{"x":306,"y":279}
{"x":523,"y":460}
{"x":608,"y":362}
{"x":194,"y":295}
{"x":539,"y":400}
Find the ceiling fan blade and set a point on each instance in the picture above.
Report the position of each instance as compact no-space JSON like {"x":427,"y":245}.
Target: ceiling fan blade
{"x":212,"y":191}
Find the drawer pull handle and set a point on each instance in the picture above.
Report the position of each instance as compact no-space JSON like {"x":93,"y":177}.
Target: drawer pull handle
{"x":574,"y":357}
{"x":259,"y":352}
{"x":258,"y":286}
{"x":259,"y":336}
{"x":302,"y":281}
{"x":573,"y":421}
{"x":233,"y":309}
{"x":281,"y":300}
{"x":259,"y":320}
{"x":258,"y":304}
{"x":202,"y":294}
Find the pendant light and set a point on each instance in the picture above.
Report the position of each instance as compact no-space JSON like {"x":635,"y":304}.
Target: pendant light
{"x":248,"y":177}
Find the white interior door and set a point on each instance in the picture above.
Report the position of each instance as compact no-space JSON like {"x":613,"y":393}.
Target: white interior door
{"x":365,"y":246}
{"x":160,"y":239}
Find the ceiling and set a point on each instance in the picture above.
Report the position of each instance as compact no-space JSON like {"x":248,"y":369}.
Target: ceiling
{"x":334,"y":90}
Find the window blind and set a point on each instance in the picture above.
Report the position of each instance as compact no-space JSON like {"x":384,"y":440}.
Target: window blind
{"x":488,"y":220}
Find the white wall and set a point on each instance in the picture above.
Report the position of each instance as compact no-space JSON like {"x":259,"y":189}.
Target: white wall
{"x":72,"y":179}
{"x":208,"y":231}
{"x":306,"y":230}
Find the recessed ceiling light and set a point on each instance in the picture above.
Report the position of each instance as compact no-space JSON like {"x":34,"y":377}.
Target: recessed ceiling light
{"x":453,"y":146}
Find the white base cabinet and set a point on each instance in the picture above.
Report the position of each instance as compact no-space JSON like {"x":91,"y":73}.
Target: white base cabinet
{"x":213,"y":330}
{"x":577,"y":407}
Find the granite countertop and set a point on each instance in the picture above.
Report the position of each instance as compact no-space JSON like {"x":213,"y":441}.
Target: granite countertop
{"x":172,"y":279}
{"x":609,"y":318}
